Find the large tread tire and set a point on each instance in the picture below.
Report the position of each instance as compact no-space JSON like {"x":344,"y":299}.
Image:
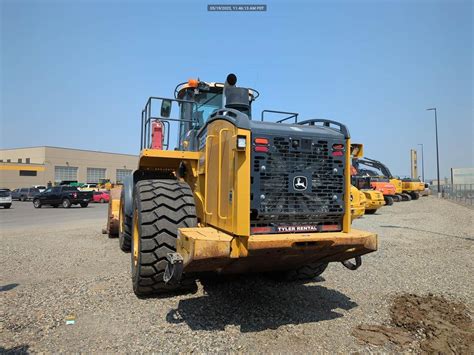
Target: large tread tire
{"x":160,"y":208}
{"x":414,"y":195}
{"x":125,"y":226}
{"x":370,"y":211}
{"x":407,"y":196}
{"x":388,"y":201}
{"x":303,"y":273}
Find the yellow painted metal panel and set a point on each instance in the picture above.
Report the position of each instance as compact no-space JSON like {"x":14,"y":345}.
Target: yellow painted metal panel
{"x":164,"y":159}
{"x":398,"y":185}
{"x":206,"y":249}
{"x":224,"y":179}
{"x":346,"y":223}
{"x":17,"y":167}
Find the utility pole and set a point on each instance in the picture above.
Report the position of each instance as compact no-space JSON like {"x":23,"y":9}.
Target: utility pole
{"x":422,"y":163}
{"x":437,"y":150}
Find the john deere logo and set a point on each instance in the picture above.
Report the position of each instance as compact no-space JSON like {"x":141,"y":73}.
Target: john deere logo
{"x":300,"y":183}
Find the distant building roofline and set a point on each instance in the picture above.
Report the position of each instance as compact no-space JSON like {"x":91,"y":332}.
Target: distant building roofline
{"x":65,"y":148}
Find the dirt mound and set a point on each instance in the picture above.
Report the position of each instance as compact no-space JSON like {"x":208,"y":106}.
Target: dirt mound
{"x":440,"y":326}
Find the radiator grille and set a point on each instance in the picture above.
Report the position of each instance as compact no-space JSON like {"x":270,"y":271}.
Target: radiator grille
{"x":323,"y":204}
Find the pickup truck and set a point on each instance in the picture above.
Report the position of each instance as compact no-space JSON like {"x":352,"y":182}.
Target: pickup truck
{"x":62,"y":195}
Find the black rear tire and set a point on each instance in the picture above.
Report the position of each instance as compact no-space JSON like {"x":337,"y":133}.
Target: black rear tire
{"x":303,"y":273}
{"x":160,"y":208}
{"x":125,"y":226}
{"x":84,"y":205}
{"x":397,"y":198}
{"x":388,"y":200}
{"x":66,"y":203}
{"x":55,"y":206}
{"x":414,"y":195}
{"x":370,"y":211}
{"x":37,"y":203}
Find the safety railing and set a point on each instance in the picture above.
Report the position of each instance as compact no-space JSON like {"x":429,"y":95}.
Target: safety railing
{"x":165,"y":107}
{"x":289,"y":115}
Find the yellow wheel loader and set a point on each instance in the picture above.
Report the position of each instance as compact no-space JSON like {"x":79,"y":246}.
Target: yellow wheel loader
{"x":373,"y":199}
{"x":237,"y":194}
{"x":358,"y":203}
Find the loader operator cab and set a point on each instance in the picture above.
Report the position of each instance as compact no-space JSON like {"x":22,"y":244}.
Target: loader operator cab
{"x":208,"y":99}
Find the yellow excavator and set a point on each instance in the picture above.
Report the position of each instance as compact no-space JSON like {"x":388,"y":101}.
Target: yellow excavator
{"x":238,"y":194}
{"x":407,"y":189}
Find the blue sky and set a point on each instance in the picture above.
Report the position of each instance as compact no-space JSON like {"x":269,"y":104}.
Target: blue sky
{"x":77,"y":73}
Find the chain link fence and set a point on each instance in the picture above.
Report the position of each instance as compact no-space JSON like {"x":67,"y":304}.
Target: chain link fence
{"x":461,"y":193}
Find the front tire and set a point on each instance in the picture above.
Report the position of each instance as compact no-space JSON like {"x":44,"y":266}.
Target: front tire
{"x":414,"y":195}
{"x":370,"y":211}
{"x":66,"y":203}
{"x":37,"y":203}
{"x":84,"y":205}
{"x":160,"y":208}
{"x":125,"y":226}
{"x":7,"y":206}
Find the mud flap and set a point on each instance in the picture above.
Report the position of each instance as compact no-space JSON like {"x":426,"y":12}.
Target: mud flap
{"x":174,"y":269}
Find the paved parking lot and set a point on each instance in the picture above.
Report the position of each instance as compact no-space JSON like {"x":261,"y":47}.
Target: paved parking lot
{"x":56,"y":263}
{"x":23,"y":215}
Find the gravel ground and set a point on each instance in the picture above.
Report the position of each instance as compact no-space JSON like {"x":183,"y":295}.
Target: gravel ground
{"x":50,"y":272}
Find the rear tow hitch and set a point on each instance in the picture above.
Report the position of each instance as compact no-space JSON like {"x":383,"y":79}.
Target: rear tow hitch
{"x":174,"y":269}
{"x":352,"y":266}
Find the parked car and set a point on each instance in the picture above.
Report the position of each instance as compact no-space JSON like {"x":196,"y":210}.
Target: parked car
{"x":41,"y":188}
{"x":89,"y":187}
{"x":100,"y":196}
{"x":62,"y":195}
{"x":5,"y":198}
{"x":426,"y":191}
{"x":25,"y":193}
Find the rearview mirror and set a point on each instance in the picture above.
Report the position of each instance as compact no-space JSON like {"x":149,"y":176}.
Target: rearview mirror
{"x":165,"y":108}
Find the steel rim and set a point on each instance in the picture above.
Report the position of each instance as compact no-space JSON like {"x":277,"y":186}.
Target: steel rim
{"x":135,"y":238}
{"x":121,"y":219}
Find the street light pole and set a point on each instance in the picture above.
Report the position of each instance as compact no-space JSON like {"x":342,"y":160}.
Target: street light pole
{"x":422,"y":163}
{"x":437,"y":150}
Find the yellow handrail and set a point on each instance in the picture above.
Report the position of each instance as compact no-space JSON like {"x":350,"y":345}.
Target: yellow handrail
{"x":206,"y":178}
{"x":219,"y":175}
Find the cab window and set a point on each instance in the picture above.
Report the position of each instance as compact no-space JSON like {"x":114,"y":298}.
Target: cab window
{"x":207,"y":102}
